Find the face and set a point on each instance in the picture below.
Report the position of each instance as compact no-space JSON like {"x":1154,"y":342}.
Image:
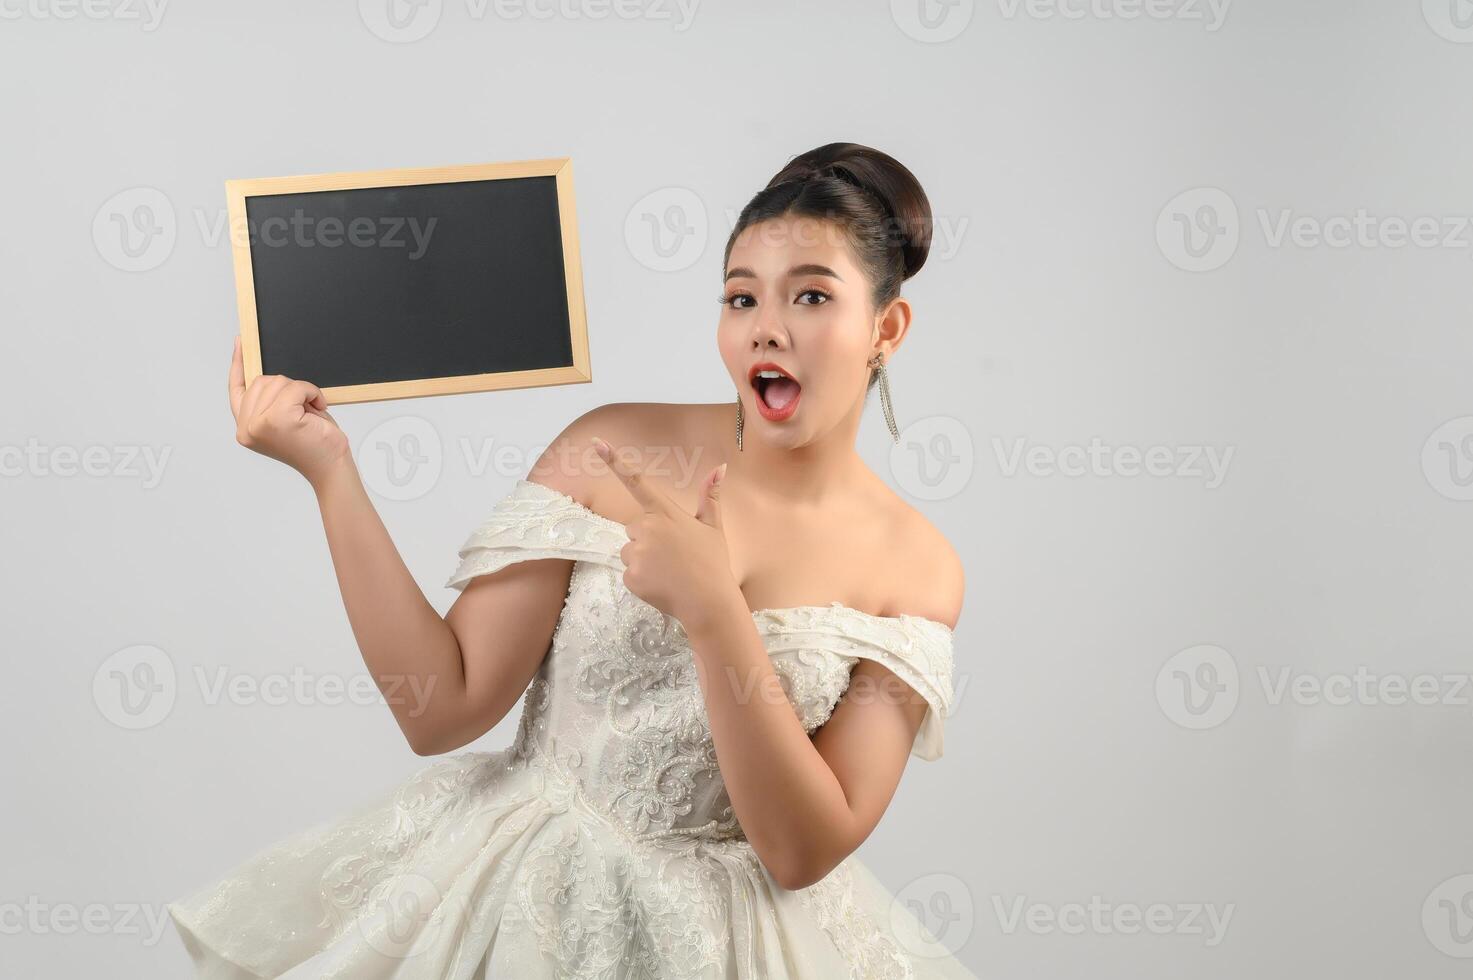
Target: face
{"x":793,"y":296}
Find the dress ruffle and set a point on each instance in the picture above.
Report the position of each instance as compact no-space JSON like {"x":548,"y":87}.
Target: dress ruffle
{"x":487,"y":865}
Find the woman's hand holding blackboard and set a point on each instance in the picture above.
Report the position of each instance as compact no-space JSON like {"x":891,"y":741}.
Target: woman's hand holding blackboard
{"x":286,"y":420}
{"x":410,"y":650}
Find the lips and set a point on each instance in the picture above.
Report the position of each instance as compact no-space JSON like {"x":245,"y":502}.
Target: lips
{"x":777,"y":390}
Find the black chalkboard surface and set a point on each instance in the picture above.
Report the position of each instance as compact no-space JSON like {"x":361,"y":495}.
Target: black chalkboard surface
{"x":402,"y":283}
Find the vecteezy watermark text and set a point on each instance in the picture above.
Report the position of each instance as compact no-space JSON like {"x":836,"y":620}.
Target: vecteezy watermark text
{"x":1212,"y":13}
{"x":1207,"y":463}
{"x":1200,"y":687}
{"x":137,"y":688}
{"x":136,"y":230}
{"x":407,"y":21}
{"x":120,"y":462}
{"x":1097,"y":917}
{"x":309,"y":231}
{"x":1199,"y":230}
{"x":36,"y":917}
{"x":149,"y":13}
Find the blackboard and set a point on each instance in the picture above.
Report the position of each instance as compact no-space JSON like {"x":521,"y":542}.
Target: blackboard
{"x":402,"y":283}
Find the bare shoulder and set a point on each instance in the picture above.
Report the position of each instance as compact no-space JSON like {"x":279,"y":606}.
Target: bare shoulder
{"x":930,"y":575}
{"x":569,"y":464}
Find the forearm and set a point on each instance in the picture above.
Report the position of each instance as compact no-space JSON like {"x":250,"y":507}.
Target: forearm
{"x":408,"y":647}
{"x":789,"y":802}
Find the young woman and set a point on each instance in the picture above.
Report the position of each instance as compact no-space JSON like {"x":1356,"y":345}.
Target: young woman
{"x":722,"y":679}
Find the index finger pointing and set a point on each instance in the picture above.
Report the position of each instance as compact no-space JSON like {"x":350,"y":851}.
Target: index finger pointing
{"x":649,"y":498}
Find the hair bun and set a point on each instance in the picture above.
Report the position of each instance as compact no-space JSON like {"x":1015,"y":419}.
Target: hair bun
{"x":907,"y":209}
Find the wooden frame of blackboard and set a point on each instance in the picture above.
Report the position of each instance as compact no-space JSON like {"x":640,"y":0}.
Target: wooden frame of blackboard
{"x":559,"y":168}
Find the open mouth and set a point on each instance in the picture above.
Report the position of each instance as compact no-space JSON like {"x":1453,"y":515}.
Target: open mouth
{"x":777,"y":390}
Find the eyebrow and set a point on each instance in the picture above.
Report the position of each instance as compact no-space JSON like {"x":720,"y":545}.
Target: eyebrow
{"x":807,"y":269}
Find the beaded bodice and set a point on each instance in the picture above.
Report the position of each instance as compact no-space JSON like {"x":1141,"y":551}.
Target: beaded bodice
{"x":616,"y":709}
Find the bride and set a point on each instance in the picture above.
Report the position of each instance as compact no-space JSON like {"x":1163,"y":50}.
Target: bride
{"x":721,"y":682}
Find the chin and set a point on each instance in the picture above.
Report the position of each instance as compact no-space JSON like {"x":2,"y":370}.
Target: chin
{"x":779,"y":435}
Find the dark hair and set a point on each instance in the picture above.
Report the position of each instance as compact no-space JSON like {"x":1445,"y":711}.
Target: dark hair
{"x":870,"y":195}
{"x":876,"y":202}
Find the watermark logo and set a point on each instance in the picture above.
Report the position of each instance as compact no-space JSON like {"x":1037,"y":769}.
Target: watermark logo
{"x":37,"y":917}
{"x":1198,"y":230}
{"x":400,"y":21}
{"x":1198,"y":687}
{"x":941,"y":906}
{"x":934,"y":459}
{"x":1194,"y":462}
{"x":1447,"y":917}
{"x":680,"y":13}
{"x":401,"y":458}
{"x":301,"y":687}
{"x":135,"y":229}
{"x":408,"y":914}
{"x":1099,"y":917}
{"x":932,"y":21}
{"x":948,"y":232}
{"x":136,"y":687}
{"x":121,"y":462}
{"x":1212,"y":13}
{"x":1364,"y":686}
{"x":303,"y":230}
{"x":1362,"y":229}
{"x":1451,"y":19}
{"x":148,"y":13}
{"x":666,"y":230}
{"x":406,"y":21}
{"x":1447,"y":458}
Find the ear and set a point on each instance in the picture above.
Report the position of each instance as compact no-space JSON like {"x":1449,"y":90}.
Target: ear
{"x":891,"y":326}
{"x":708,"y":510}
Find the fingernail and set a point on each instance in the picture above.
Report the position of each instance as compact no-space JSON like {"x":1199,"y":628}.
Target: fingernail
{"x":720,"y":474}
{"x":600,"y":446}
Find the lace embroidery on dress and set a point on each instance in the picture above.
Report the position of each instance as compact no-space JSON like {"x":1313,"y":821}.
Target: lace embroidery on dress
{"x":429,"y":804}
{"x":870,"y":954}
{"x":642,"y":754}
{"x":645,"y":760}
{"x":602,"y":844}
{"x":535,"y":521}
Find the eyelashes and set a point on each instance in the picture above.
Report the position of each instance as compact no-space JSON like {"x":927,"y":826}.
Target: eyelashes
{"x":725,"y":299}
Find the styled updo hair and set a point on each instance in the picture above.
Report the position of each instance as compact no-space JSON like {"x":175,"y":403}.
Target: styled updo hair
{"x":876,"y":202}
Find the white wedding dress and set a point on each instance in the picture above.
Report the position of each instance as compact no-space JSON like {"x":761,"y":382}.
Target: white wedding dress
{"x":602,"y":843}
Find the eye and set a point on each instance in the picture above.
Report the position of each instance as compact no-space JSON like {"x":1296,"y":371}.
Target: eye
{"x":726,"y":299}
{"x":814,"y":291}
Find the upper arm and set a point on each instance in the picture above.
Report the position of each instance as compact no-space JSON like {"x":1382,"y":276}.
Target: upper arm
{"x":504,"y":620}
{"x":867,"y":740}
{"x":866,"y":743}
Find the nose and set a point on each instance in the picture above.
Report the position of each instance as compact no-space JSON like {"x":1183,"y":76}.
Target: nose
{"x":768,"y":332}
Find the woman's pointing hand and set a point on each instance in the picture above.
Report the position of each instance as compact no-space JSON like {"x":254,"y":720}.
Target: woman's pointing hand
{"x":675,"y":561}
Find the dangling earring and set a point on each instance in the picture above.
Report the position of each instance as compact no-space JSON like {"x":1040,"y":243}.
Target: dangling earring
{"x":878,"y":364}
{"x":739,"y":423}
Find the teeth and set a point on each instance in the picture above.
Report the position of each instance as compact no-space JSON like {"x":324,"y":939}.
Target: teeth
{"x":771,"y":374}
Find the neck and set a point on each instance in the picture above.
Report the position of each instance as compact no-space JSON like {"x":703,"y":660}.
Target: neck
{"x":811,"y":473}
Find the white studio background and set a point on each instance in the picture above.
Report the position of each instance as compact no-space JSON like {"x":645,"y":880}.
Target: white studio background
{"x":1188,"y":390}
